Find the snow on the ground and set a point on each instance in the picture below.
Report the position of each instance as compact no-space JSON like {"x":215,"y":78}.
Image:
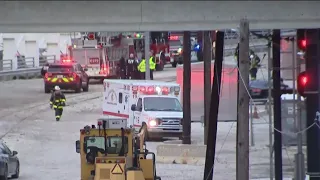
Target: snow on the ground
{"x":47,"y":148}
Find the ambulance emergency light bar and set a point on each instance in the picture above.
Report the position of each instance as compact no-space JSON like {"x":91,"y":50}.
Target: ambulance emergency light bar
{"x":155,"y":90}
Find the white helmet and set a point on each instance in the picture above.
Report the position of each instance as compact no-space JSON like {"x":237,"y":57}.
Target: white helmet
{"x":57,"y":88}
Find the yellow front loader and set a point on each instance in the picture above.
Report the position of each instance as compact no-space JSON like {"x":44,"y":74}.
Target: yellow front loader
{"x":112,"y":152}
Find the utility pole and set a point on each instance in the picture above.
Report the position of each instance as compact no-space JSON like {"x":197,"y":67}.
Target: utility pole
{"x":277,"y":104}
{"x":214,"y":108}
{"x":270,"y":110}
{"x":299,"y":156}
{"x":243,"y":104}
{"x":186,"y":123}
{"x":147,"y":53}
{"x":312,"y":101}
{"x":207,"y":80}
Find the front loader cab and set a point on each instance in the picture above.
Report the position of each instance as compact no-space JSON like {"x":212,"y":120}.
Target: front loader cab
{"x":114,"y":153}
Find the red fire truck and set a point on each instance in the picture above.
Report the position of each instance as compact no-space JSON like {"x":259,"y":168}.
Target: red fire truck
{"x":158,"y":45}
{"x":99,"y":54}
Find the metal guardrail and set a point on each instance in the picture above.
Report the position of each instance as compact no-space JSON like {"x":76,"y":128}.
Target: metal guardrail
{"x":21,"y":71}
{"x":6,"y":64}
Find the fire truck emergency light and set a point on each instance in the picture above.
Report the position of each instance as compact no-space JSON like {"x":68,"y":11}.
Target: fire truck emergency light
{"x":174,"y":38}
{"x":66,"y":60}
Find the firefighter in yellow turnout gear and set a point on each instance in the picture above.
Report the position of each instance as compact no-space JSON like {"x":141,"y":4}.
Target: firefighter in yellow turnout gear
{"x":57,"y":102}
{"x":142,"y":67}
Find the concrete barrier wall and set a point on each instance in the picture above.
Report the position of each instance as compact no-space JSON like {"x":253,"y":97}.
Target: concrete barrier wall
{"x":228,"y":94}
{"x":181,"y":154}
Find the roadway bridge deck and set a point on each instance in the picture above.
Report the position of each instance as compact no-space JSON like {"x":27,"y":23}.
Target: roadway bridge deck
{"x":67,"y":16}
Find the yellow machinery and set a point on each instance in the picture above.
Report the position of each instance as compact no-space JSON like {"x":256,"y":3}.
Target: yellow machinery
{"x":112,"y":152}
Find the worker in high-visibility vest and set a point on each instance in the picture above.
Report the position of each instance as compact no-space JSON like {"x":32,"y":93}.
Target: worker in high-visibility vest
{"x":142,"y":67}
{"x":254,"y":65}
{"x":152,"y":66}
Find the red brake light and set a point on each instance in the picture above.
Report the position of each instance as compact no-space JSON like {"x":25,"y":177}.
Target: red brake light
{"x":82,"y":131}
{"x":98,"y":161}
{"x":104,"y":69}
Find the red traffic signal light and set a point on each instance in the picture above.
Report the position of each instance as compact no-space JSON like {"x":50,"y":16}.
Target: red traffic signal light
{"x":303,"y":81}
{"x":302,"y":44}
{"x":301,"y":39}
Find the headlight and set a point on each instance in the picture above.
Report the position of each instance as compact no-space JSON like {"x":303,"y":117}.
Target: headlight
{"x":152,"y":123}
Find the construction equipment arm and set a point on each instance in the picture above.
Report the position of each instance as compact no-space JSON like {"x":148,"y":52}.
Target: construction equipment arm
{"x":141,"y":135}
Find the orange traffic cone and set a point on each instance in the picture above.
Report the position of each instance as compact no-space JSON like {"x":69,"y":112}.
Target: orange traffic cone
{"x":255,"y":113}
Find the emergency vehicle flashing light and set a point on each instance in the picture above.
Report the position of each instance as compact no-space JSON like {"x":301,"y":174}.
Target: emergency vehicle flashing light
{"x":91,"y":36}
{"x":66,"y":60}
{"x":156,"y":90}
{"x":174,"y":38}
{"x":137,"y":35}
{"x":47,"y":75}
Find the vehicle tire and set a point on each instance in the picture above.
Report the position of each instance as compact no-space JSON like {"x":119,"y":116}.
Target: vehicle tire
{"x":46,"y":89}
{"x":78,"y":89}
{"x":17,"y":174}
{"x":86,"y":88}
{"x":174,"y":64}
{"x":5,"y":176}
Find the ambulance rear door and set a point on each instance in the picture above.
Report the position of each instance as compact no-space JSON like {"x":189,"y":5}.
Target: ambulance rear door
{"x":113,"y":100}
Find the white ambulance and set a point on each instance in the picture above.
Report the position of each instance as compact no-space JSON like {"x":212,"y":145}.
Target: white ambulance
{"x":154,"y":103}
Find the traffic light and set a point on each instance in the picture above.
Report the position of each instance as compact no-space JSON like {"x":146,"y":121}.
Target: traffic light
{"x":303,"y":82}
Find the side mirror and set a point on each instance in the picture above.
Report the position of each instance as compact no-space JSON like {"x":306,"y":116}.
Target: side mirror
{"x":85,"y":69}
{"x":133,"y":107}
{"x":78,"y":146}
{"x":14,"y":153}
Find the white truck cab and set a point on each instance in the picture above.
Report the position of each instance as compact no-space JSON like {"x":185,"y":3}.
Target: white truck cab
{"x":154,"y":103}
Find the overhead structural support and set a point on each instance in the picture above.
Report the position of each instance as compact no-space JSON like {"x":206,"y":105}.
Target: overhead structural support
{"x":277,"y":104}
{"x":312,"y":101}
{"x":186,"y":123}
{"x":207,"y":80}
{"x":147,"y":53}
{"x":214,"y":108}
{"x":243,"y":105}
